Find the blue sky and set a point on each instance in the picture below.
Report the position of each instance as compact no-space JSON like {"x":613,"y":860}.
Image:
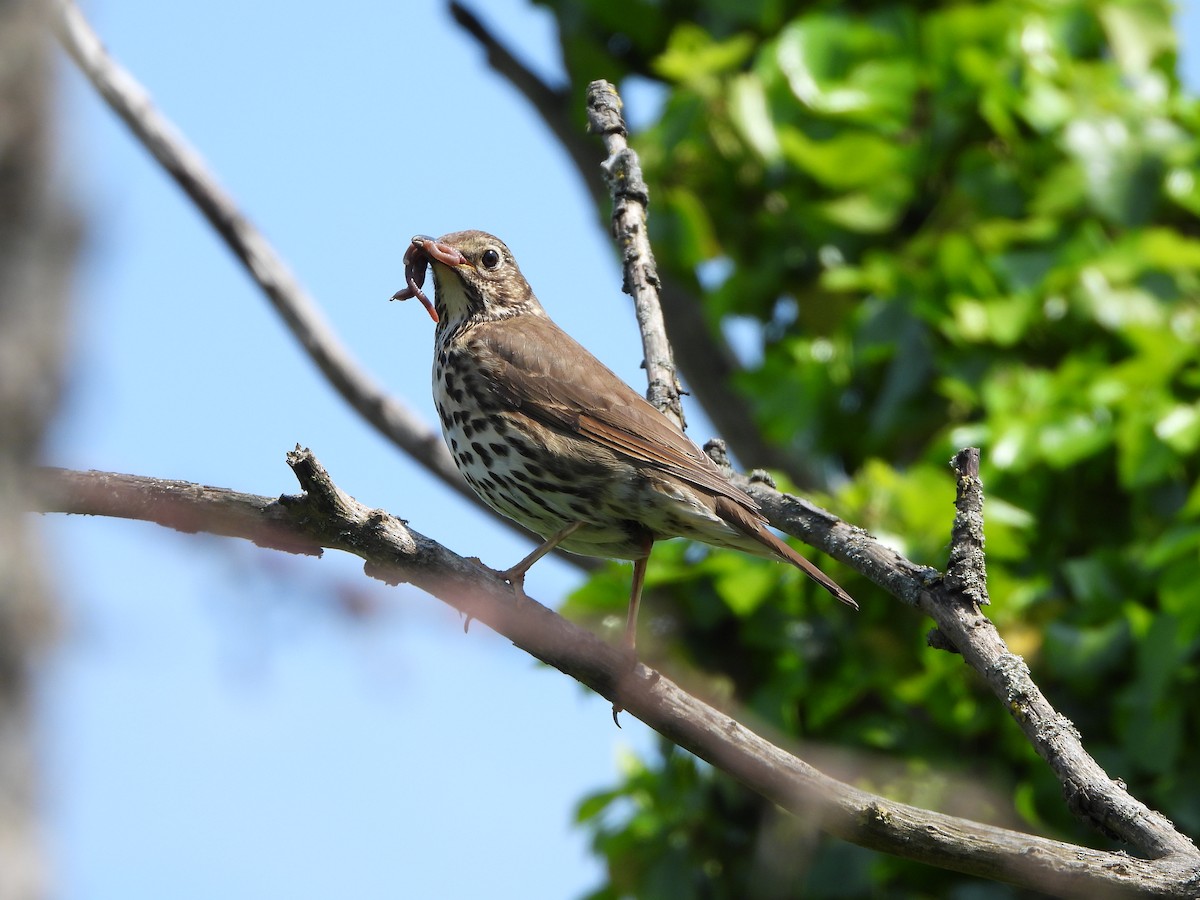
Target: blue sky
{"x":211,"y":724}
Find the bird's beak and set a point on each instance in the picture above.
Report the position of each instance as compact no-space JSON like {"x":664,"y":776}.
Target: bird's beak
{"x":421,"y":252}
{"x":438,"y":252}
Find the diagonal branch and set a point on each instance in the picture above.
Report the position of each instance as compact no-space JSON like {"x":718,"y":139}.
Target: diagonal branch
{"x":326,"y":517}
{"x":1090,"y":793}
{"x":553,"y":104}
{"x":1101,"y":801}
{"x":303,"y":317}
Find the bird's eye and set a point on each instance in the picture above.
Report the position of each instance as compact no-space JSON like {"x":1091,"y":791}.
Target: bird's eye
{"x":490,"y":258}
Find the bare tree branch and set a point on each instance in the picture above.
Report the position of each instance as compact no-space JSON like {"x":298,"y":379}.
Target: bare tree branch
{"x":129,"y":100}
{"x":630,"y":197}
{"x":553,"y":104}
{"x":326,"y":517}
{"x":1089,"y":792}
{"x":967,"y":571}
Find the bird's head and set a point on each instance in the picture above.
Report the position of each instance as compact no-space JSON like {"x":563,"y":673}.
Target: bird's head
{"x":475,"y":278}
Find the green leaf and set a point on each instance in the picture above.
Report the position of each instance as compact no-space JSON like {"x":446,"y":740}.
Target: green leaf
{"x":1067,"y":440}
{"x":1179,"y":428}
{"x":845,"y":68}
{"x":854,"y":159}
{"x":743,"y":583}
{"x":1086,"y":655}
{"x":595,"y":805}
{"x":1140,"y":33}
{"x":685,"y":227}
{"x":1123,"y":163}
{"x":868,"y":213}
{"x":749,"y":113}
{"x":692,"y":57}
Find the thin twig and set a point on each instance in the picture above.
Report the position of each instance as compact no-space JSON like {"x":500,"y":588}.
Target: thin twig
{"x":630,"y":197}
{"x":553,"y":104}
{"x":303,"y":317}
{"x":327,"y":517}
{"x":967,"y":569}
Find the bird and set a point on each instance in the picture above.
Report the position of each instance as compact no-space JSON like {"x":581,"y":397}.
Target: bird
{"x":550,"y":437}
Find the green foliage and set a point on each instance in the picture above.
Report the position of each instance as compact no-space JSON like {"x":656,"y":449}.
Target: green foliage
{"x":955,"y":224}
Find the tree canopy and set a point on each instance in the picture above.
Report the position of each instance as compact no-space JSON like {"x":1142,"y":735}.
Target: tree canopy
{"x":916,"y":228}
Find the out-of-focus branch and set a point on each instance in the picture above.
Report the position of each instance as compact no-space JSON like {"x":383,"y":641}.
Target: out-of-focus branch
{"x":630,"y":196}
{"x":551,"y":103}
{"x":706,"y":359}
{"x":327,"y":517}
{"x":303,"y":317}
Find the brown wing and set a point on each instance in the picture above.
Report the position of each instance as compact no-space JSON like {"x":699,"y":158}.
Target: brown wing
{"x":569,"y":389}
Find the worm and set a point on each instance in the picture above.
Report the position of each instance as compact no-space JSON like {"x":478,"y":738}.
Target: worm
{"x":420,"y":253}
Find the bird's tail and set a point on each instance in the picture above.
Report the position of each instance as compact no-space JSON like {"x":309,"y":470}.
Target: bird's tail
{"x":753,"y":526}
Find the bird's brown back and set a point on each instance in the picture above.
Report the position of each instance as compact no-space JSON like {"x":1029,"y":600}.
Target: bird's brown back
{"x":538,"y":368}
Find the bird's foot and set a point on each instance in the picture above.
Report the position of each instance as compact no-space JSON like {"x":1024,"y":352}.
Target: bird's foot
{"x":516,"y":578}
{"x":629,"y":661}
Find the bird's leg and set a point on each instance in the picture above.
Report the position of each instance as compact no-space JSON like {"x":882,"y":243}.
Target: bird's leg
{"x":635,"y":598}
{"x":515,"y":575}
{"x":635,"y":601}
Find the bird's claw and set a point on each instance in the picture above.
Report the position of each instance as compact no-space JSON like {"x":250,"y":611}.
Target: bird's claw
{"x":629,"y":662}
{"x":514,"y":577}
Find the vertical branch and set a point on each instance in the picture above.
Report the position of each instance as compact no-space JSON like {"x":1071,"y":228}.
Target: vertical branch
{"x":967,"y":569}
{"x":630,"y":197}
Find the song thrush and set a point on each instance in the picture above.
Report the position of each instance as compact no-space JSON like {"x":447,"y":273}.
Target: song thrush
{"x":549,"y":436}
